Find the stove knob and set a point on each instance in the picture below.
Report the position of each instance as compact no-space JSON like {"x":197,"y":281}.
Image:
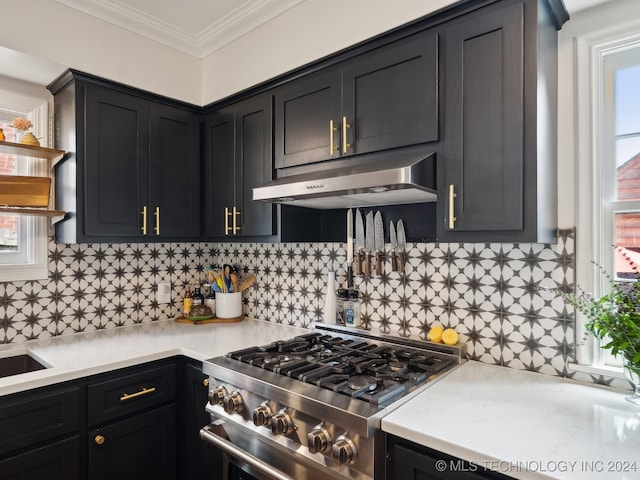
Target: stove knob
{"x":262,"y":415}
{"x":281,"y":424}
{"x":344,"y":451}
{"x":217,"y":395}
{"x":233,"y":402}
{"x":318,"y":440}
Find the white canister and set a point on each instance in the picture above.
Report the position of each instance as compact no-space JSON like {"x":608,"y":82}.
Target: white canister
{"x":229,"y":305}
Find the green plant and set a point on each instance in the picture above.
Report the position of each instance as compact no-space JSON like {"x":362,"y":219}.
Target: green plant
{"x":614,"y":317}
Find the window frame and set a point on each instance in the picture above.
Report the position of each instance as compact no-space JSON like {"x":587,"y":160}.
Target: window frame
{"x":596,"y":204}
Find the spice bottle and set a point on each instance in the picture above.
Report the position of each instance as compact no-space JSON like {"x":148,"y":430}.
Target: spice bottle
{"x":352,"y":309}
{"x":340,"y":305}
{"x":210,"y":301}
{"x":198,"y":298}
{"x":187,"y":302}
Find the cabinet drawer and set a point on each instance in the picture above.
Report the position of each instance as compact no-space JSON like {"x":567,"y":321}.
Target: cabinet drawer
{"x":37,"y":417}
{"x":132,"y":393}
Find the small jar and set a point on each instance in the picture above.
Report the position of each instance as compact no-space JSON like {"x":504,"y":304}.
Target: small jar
{"x":352,"y":309}
{"x":210,"y":301}
{"x":341,"y":301}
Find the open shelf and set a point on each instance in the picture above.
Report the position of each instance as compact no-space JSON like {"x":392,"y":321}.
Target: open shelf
{"x":32,"y":151}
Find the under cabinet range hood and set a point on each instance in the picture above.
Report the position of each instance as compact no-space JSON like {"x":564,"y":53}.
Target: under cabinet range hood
{"x":393,"y":179}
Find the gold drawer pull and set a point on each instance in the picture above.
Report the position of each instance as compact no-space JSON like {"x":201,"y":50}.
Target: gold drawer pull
{"x":99,"y":439}
{"x":345,"y":125}
{"x":205,"y":382}
{"x":144,"y":391}
{"x":157,"y":228}
{"x":144,"y":220}
{"x":452,"y":217}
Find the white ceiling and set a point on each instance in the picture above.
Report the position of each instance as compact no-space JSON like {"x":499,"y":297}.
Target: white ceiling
{"x":196,"y":27}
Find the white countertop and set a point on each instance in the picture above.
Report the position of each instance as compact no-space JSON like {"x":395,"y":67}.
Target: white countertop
{"x":524,"y":425}
{"x":80,"y":355}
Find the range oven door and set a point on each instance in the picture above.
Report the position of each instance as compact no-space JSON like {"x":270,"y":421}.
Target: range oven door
{"x":251,"y":454}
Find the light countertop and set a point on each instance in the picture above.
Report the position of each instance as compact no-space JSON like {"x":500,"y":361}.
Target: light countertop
{"x":524,"y":425}
{"x":80,"y":355}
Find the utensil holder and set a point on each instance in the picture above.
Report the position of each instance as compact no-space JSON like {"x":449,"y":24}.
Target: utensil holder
{"x":228,"y":305}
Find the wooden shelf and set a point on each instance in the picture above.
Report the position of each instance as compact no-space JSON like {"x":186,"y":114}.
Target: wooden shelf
{"x":43,"y":212}
{"x":32,"y":151}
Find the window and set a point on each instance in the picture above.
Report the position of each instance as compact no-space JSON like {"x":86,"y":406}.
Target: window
{"x":23,"y":239}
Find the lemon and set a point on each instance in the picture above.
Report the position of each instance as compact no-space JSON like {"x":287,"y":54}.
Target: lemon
{"x":435,"y":334}
{"x":450,"y":336}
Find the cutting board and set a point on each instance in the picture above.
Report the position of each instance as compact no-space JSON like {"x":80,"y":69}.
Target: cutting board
{"x":183,"y":319}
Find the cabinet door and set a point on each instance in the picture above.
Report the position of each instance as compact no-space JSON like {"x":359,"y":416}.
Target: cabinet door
{"x":116,"y":165}
{"x":390,"y":96}
{"x":253,"y":164}
{"x":174,"y":174}
{"x":304,"y":109}
{"x":484,"y":150}
{"x":219,"y":171}
{"x":142,"y":446}
{"x":58,"y":461}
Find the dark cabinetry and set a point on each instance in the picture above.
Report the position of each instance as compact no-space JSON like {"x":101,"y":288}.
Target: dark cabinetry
{"x":40,"y":434}
{"x":383,"y":99}
{"x":499,"y":177}
{"x":238,"y":157}
{"x":132,"y":173}
{"x":409,"y":461}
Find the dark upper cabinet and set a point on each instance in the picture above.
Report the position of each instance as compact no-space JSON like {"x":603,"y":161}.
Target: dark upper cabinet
{"x":382,"y":99}
{"x":498,"y":182}
{"x":132,"y":172}
{"x":238,"y":157}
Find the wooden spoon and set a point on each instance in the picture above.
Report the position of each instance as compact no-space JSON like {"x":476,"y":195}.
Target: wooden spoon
{"x":247,"y":282}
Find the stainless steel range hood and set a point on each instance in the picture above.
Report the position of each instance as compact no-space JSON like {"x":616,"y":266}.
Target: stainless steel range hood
{"x":386,"y":178}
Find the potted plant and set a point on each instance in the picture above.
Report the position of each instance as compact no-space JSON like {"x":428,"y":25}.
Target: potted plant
{"x":615,"y":319}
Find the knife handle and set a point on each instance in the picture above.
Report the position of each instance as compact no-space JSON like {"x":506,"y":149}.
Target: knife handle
{"x":378,"y":263}
{"x":367,"y":265}
{"x":401,"y":261}
{"x":358,"y":266}
{"x":394,"y":261}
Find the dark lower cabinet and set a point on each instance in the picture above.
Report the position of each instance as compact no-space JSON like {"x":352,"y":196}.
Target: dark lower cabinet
{"x":57,"y":461}
{"x":410,"y":461}
{"x":143,"y":446}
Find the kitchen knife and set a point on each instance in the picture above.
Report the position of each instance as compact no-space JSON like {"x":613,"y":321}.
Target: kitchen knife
{"x":368,"y":244}
{"x":402,"y":245}
{"x":378,"y":241}
{"x":359,"y":241}
{"x":393,"y":245}
{"x":349,"y":247}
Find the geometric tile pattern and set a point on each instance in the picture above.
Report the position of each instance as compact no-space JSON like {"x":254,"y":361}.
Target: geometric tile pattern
{"x":489,"y":292}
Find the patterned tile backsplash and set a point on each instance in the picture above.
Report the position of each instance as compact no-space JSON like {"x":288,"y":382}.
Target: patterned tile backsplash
{"x":487,"y":292}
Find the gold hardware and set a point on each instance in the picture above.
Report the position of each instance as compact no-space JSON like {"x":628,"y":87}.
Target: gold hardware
{"x":99,"y":439}
{"x":345,"y":125}
{"x":235,"y":221}
{"x":144,"y":220}
{"x":157,"y":227}
{"x":205,"y":382}
{"x":332,"y":130}
{"x":452,"y":218}
{"x":144,"y":391}
{"x":226,"y":220}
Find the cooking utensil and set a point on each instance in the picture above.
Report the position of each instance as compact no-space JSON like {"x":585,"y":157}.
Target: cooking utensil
{"x":378,"y":241}
{"x":247,"y":282}
{"x":349,"y":247}
{"x":393,"y":245}
{"x":402,"y":245}
{"x":368,"y":244}
{"x":359,"y":241}
{"x":234,"y":281}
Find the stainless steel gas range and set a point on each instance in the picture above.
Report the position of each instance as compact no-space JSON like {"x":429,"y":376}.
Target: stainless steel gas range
{"x":310,"y":407}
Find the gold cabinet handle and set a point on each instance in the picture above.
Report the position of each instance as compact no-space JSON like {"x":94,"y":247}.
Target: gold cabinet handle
{"x":332,"y":130}
{"x":226,"y":220}
{"x":99,"y":439}
{"x":345,"y":125}
{"x":452,"y":218}
{"x":157,"y":227}
{"x":144,"y":391}
{"x":144,"y":220}
{"x":235,"y":220}
{"x":205,"y":382}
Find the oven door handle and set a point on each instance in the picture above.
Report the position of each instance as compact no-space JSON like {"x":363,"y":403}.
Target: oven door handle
{"x":209,"y":435}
